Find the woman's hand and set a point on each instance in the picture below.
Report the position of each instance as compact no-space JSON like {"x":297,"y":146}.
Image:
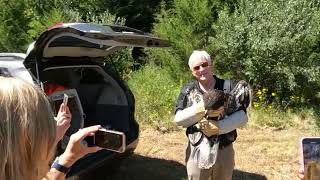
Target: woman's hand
{"x":301,"y":173}
{"x":76,"y":148}
{"x":63,"y":121}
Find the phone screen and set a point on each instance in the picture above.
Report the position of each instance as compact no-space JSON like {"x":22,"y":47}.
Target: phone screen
{"x":311,"y":157}
{"x":111,"y":140}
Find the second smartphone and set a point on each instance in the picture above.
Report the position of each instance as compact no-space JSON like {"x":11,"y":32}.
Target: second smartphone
{"x":109,"y":139}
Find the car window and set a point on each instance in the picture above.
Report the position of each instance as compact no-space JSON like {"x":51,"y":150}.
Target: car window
{"x":5,"y":72}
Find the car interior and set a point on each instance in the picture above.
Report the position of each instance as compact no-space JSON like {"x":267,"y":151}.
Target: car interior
{"x":103,"y":101}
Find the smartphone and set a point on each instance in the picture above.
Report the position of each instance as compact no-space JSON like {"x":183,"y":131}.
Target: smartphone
{"x":310,"y":153}
{"x":65,"y":99}
{"x":110,"y":140}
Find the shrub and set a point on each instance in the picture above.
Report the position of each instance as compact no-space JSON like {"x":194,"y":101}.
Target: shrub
{"x":155,"y":93}
{"x":188,"y":25}
{"x":14,"y":18}
{"x":274,"y":45}
{"x":39,"y":24}
{"x":121,"y":63}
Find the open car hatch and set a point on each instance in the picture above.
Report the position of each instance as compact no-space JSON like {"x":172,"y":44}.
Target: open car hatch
{"x":88,"y":40}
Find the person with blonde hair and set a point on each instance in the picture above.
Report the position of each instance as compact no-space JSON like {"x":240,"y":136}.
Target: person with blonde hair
{"x":28,"y":134}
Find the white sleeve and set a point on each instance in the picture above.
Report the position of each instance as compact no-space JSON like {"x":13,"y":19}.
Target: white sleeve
{"x":190,"y":115}
{"x":232,"y":122}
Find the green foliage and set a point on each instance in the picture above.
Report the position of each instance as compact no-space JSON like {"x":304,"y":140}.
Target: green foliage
{"x":86,"y":11}
{"x":155,"y":93}
{"x":22,"y":21}
{"x":139,"y":14}
{"x":41,"y":23}
{"x":188,"y":25}
{"x":181,"y":27}
{"x":121,"y":63}
{"x":266,"y":118}
{"x":14,"y":18}
{"x":274,"y":45}
{"x":168,"y":59}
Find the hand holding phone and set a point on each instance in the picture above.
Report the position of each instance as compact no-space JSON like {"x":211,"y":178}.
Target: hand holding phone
{"x":75,"y":148}
{"x":310,"y":153}
{"x":63,"y":119}
{"x":108,"y":139}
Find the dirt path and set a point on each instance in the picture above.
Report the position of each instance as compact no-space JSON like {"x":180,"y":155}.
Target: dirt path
{"x":260,"y":154}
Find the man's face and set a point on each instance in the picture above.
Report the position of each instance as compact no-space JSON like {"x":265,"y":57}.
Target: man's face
{"x":201,"y":70}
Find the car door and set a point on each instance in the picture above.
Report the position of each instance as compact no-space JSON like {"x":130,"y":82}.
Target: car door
{"x":11,"y":65}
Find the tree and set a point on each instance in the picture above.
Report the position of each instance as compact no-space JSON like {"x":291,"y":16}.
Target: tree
{"x":189,"y":25}
{"x":273,"y":44}
{"x":14,"y":18}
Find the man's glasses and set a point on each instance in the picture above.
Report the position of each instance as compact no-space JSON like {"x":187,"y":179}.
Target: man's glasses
{"x":205,"y":64}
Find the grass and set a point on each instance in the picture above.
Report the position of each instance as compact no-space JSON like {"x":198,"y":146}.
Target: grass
{"x":273,"y":154}
{"x":272,"y":118}
{"x":260,"y":154}
{"x":267,"y":148}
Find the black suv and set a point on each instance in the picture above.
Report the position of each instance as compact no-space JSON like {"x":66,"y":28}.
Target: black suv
{"x":73,"y":55}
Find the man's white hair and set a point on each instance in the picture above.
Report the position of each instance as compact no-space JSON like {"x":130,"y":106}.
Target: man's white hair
{"x":199,"y":54}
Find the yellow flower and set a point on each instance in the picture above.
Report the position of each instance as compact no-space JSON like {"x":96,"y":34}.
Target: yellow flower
{"x":256,"y":105}
{"x":259,"y":92}
{"x":273,"y":94}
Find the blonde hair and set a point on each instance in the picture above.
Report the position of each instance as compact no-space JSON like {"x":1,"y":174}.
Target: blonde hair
{"x":27,"y":131}
{"x":199,"y":54}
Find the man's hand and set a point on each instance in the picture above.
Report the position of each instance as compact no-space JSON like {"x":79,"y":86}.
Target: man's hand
{"x":216,"y":113}
{"x":209,"y":128}
{"x":63,"y":121}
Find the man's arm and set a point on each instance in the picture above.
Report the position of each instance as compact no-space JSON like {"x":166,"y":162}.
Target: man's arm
{"x":189,"y":116}
{"x":232,"y":122}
